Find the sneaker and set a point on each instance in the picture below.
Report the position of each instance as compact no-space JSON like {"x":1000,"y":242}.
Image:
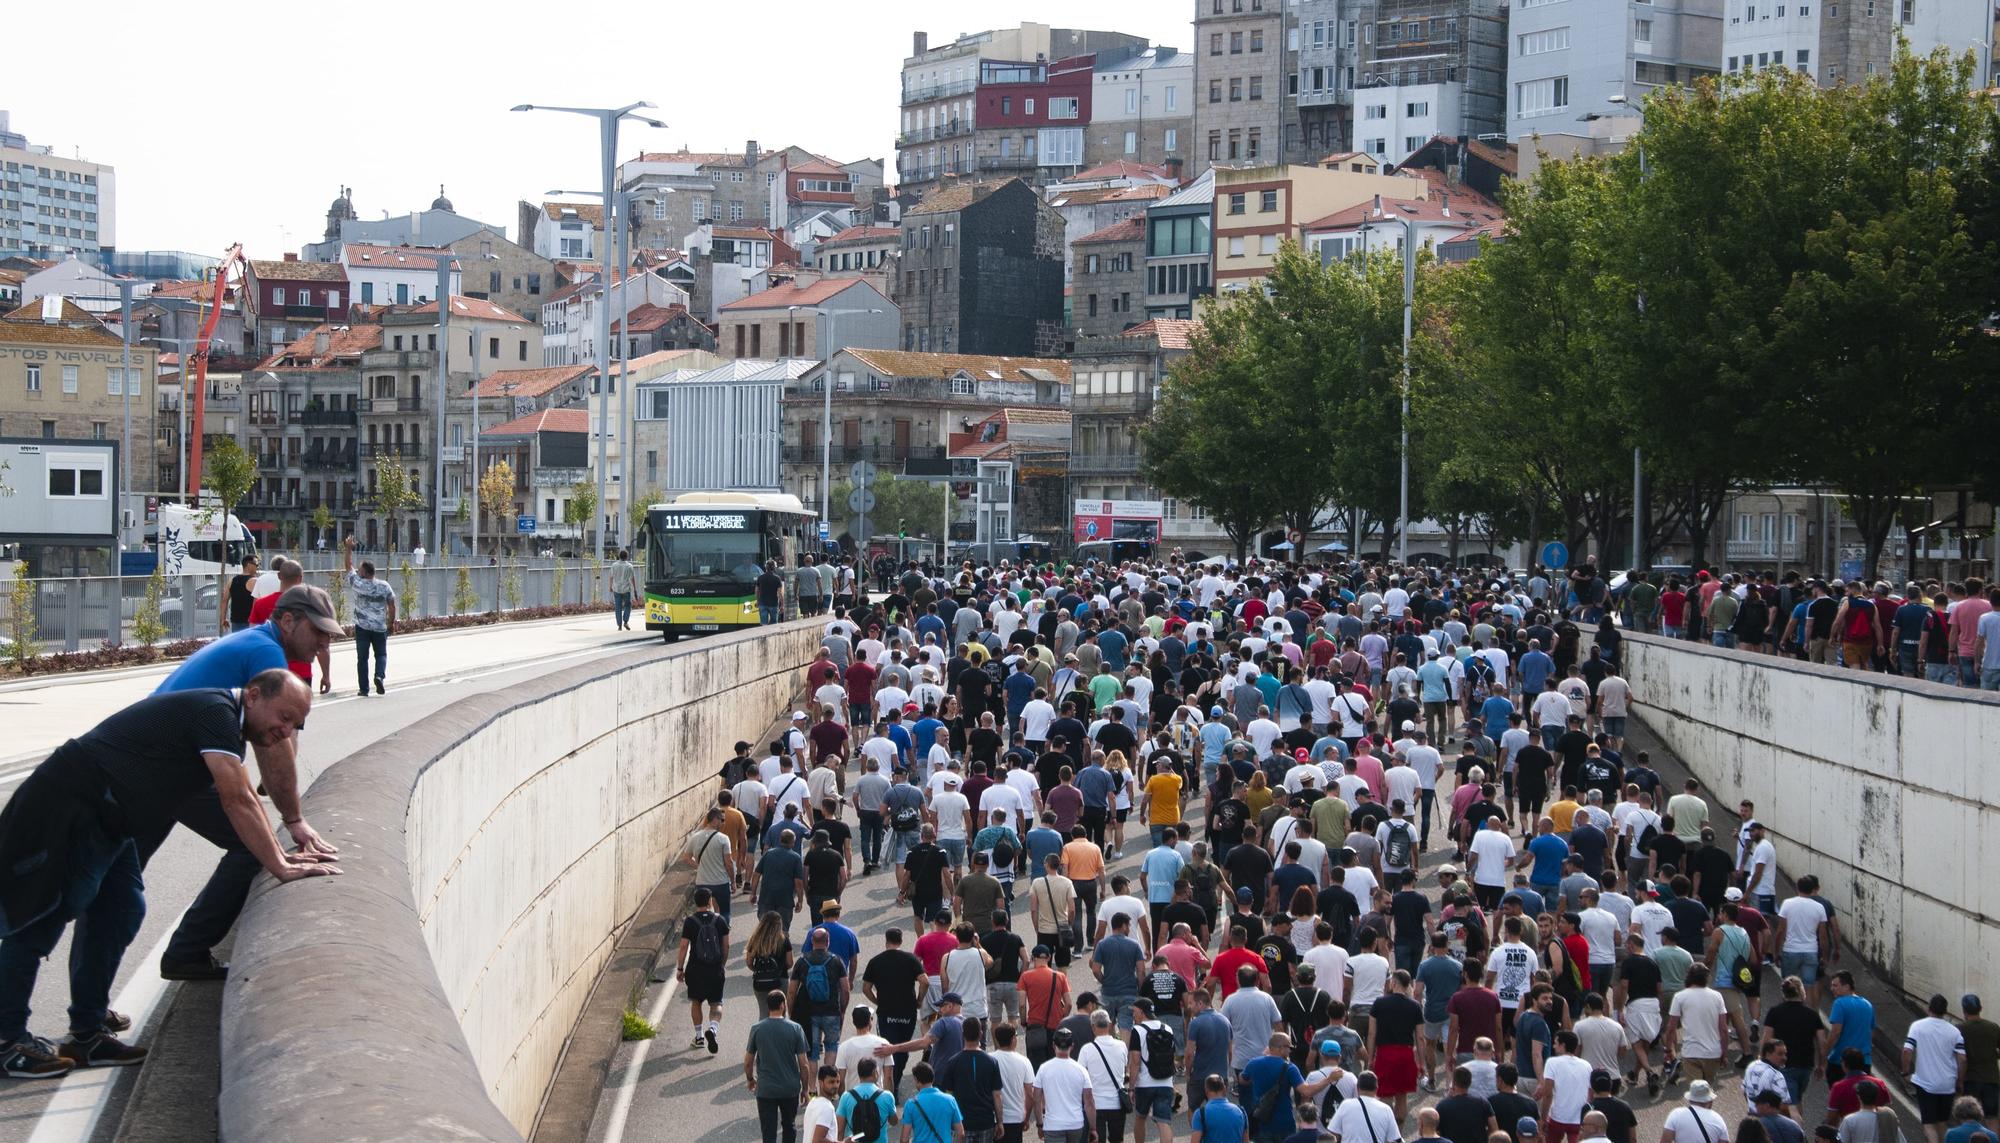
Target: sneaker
{"x":1673,"y":1071}
{"x":116,"y":1021}
{"x":1427,"y":1083}
{"x":1653,"y":1086}
{"x":101,"y":1050}
{"x":363,"y":692}
{"x":378,"y":686}
{"x":709,"y":1036}
{"x":207,"y":968}
{"x":32,"y":1058}
{"x":699,"y":1041}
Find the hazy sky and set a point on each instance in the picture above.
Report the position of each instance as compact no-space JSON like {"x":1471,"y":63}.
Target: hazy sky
{"x":238,"y":122}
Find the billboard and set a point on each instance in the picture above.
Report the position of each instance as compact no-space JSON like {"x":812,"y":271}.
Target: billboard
{"x":1117,"y":520}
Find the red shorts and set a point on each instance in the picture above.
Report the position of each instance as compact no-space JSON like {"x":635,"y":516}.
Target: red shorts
{"x":1553,"y":1131}
{"x":1395,"y":1069}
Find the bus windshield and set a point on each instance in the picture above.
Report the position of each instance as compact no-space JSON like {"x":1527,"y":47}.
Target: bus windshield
{"x":716,"y":559}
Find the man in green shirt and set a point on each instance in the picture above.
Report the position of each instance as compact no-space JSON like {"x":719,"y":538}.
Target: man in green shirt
{"x":774,"y":1069}
{"x":1982,"y":1056}
{"x":1642,"y":603}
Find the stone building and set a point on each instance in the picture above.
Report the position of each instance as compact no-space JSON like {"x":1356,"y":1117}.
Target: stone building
{"x":1006,"y":297}
{"x":62,"y":377}
{"x":1108,"y":289}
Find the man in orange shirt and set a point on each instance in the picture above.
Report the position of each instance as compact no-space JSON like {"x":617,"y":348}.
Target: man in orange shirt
{"x":1083,"y":864}
{"x":1162,"y":800}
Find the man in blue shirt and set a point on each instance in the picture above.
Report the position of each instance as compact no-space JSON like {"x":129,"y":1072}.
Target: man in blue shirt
{"x":900,"y":735}
{"x":1112,"y":643}
{"x":300,"y":628}
{"x":1158,"y":871}
{"x":1115,"y":961}
{"x":1020,"y":687}
{"x":1214,"y":737}
{"x":1548,"y":852}
{"x":1851,"y":1020}
{"x":1097,"y":786}
{"x":1534,"y":669}
{"x":1218,"y":1120}
{"x":1275,"y":1067}
{"x":1208,"y":1039}
{"x":930,"y":1115}
{"x":925,"y":732}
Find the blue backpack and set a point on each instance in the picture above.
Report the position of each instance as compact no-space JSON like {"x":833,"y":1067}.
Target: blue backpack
{"x":819,"y":981}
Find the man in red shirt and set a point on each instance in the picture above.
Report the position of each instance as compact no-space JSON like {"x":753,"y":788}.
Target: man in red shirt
{"x":861,"y":692}
{"x":1222,"y":972}
{"x":829,"y":739}
{"x":290,"y":574}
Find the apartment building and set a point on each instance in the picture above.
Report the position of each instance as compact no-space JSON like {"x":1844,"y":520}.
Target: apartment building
{"x":1848,"y":42}
{"x":1246,"y":111}
{"x":1108,"y":285}
{"x":1257,"y":209}
{"x":1179,"y":250}
{"x":1142,"y":109}
{"x":52,"y":206}
{"x":1568,"y":59}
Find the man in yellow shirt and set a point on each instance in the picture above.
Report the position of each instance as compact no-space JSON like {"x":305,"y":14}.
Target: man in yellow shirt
{"x":1162,"y":800}
{"x":1564,"y":811}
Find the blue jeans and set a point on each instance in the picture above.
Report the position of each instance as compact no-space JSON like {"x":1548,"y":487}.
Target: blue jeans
{"x":954,"y":848}
{"x":621,"y":607}
{"x":1939,"y":672}
{"x":1551,"y":896}
{"x":1551,"y":734}
{"x":1796,"y":1080}
{"x":1670,"y":632}
{"x":1158,"y":833}
{"x":106,"y":897}
{"x":1119,"y":1004}
{"x":1724,"y":639}
{"x":365,"y":641}
{"x":1989,"y":679}
{"x":720,"y":894}
{"x":823,"y":1032}
{"x":1428,"y":800}
{"x":768,"y":614}
{"x":1968,"y":672}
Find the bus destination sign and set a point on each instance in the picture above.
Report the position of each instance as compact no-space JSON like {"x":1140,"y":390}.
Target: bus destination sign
{"x":701,"y":522}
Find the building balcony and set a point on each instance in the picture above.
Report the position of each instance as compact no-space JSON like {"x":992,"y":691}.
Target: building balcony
{"x":263,"y":417}
{"x":380,"y":405}
{"x":268,"y":501}
{"x":1081,"y":464}
{"x":397,"y":359}
{"x":1774,"y":550}
{"x":811,"y":454}
{"x":1121,"y":404}
{"x":337,"y":418}
{"x":369,"y":502}
{"x":410,"y":451}
{"x":559,"y":477}
{"x":341,"y":461}
{"x":1006,"y":162}
{"x":949,"y":130}
{"x":938,"y":91}
{"x":306,"y":313}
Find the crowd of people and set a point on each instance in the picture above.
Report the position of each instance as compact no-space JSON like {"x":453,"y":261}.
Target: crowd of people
{"x":1271,"y":853}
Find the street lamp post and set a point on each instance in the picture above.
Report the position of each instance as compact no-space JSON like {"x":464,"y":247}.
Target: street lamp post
{"x":1409,"y":305}
{"x":444,"y":260}
{"x":125,"y":288}
{"x":826,"y":406}
{"x":1638,"y":519}
{"x":608,"y":119}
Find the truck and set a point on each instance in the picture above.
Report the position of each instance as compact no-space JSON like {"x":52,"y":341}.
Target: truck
{"x":200,"y":540}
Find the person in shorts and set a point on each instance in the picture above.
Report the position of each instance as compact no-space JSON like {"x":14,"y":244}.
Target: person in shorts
{"x":703,"y":976}
{"x":1152,"y":1098}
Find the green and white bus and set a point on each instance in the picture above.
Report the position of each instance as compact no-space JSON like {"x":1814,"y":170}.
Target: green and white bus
{"x":705,"y":550}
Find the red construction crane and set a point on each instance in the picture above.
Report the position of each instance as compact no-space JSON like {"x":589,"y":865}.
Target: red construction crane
{"x":233,"y":257}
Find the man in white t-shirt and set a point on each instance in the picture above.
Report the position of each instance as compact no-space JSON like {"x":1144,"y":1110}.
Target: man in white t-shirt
{"x":1492,"y":856}
{"x":1364,"y":1117}
{"x":1649,"y":917}
{"x":1934,"y":1059}
{"x":1696,"y":1122}
{"x":1803,"y":935}
{"x":1062,"y":1091}
{"x":948,"y":813}
{"x":1697,"y":1026}
{"x":1564,"y":1091}
{"x":823,"y":1110}
{"x":857,"y":1047}
{"x":1762,"y":864}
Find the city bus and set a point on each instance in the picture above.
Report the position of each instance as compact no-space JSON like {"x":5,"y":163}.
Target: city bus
{"x":704,"y":551}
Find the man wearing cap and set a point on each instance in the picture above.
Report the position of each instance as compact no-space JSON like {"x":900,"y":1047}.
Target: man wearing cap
{"x":1696,"y":1120}
{"x":290,"y":574}
{"x":301,"y":626}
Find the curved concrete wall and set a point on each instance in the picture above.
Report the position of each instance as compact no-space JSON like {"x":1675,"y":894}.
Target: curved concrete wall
{"x":1884,"y":787}
{"x":491,"y":856}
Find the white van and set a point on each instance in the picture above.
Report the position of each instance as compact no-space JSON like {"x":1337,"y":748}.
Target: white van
{"x":200,"y":541}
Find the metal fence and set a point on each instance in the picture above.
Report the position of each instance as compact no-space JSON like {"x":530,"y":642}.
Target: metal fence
{"x":78,"y":613}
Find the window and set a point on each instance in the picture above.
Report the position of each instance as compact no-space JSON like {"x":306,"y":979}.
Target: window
{"x":1256,"y":87}
{"x":1267,"y":244}
{"x":97,"y":430}
{"x":1732,"y":63}
{"x":1065,"y":107}
{"x":1541,"y":96}
{"x":1417,"y":110}
{"x":1645,"y":71}
{"x":1215,"y":91}
{"x":1236,"y":90}
{"x":735,"y":212}
{"x":1173,"y":100}
{"x":1256,"y":41}
{"x":522,"y":347}
{"x":1092,"y":306}
{"x":534,"y":283}
{"x":1236,"y":203}
{"x":1090,"y":263}
{"x":1236,"y":248}
{"x":1172,"y":140}
{"x":69,"y":378}
{"x":75,"y":477}
{"x":34,"y":378}
{"x":1235,"y":43}
{"x":1805,"y":59}
{"x":1131,"y":142}
{"x":1006,"y":105}
{"x":1376,"y":111}
{"x":1131,"y":101}
{"x":1028,"y":106}
{"x":1377,"y":147}
{"x":1547,"y":40}
{"x":1642,"y":31}
{"x":48,"y":430}
{"x":1268,"y":201}
{"x":1413,"y":143}
{"x":1215,"y":44}
{"x":1214,"y":146}
{"x":492,"y":282}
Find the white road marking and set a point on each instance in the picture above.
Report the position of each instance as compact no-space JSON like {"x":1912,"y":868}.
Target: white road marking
{"x":72,"y":1113}
{"x":621,"y":1106}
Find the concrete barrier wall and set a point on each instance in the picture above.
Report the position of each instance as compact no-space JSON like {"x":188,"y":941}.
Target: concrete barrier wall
{"x":1884,"y":787}
{"x":492,"y":853}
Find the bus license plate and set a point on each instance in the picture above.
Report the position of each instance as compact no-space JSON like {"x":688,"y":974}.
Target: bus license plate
{"x":704,"y":626}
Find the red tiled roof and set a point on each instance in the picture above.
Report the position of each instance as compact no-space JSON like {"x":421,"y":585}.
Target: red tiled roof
{"x":591,"y":212}
{"x":778,"y":297}
{"x":1343,"y":156}
{"x":544,"y":421}
{"x":647,"y":317}
{"x":298,"y":271}
{"x":744,"y":232}
{"x":1121,"y":169}
{"x":865,"y":234}
{"x":393,"y":257}
{"x":1173,"y":333}
{"x":196,"y":289}
{"x":478,"y":309}
{"x":1463,"y":213}
{"x":1125,"y":230}
{"x":342,"y":341}
{"x":818,"y":166}
{"x":530,"y":382}
{"x":908,"y":363}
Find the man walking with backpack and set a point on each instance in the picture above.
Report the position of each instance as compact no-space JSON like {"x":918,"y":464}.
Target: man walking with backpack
{"x":867,"y":1111}
{"x":818,"y":995}
{"x":1149,"y":1073}
{"x":700,"y":964}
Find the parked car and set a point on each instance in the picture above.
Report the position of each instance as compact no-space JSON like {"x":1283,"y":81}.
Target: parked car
{"x":205,"y":602}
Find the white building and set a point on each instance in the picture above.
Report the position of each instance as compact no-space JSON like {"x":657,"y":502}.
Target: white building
{"x":393,"y":275}
{"x":569,"y":317}
{"x":1393,"y":122}
{"x":52,"y":206}
{"x":569,"y":231}
{"x":1567,"y":58}
{"x":82,"y":283}
{"x":1848,"y":42}
{"x":1372,"y":226}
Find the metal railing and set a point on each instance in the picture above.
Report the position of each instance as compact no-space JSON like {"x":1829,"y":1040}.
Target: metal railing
{"x":85,"y":612}
{"x":1761,"y":550}
{"x":392,"y":405}
{"x":938,"y":91}
{"x":335,"y":417}
{"x":370,"y":449}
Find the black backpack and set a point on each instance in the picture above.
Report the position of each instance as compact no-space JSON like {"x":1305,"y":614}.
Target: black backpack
{"x":1397,"y":852}
{"x":1159,"y":1044}
{"x":708,"y":946}
{"x":866,"y":1121}
{"x":905,"y":818}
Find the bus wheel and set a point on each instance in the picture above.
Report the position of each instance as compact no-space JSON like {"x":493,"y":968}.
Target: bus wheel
{"x":670,"y":636}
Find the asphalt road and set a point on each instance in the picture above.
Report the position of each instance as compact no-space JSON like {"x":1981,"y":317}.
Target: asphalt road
{"x":426,"y":673}
{"x":683,"y":1093}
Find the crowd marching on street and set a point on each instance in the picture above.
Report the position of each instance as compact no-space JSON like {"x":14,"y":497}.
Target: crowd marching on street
{"x":1284,"y":853}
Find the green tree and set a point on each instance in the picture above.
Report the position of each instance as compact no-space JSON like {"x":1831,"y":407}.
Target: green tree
{"x":21,"y":648}
{"x":510,"y":585}
{"x":636,"y":511}
{"x":394,"y":494}
{"x":556,"y":578}
{"x":496,"y":495}
{"x":409,"y":593}
{"x":230,"y":473}
{"x":147,"y":627}
{"x":322,"y":524}
{"x":581,"y":507}
{"x":1206,"y":440}
{"x":463,"y":598}
{"x":336,"y":590}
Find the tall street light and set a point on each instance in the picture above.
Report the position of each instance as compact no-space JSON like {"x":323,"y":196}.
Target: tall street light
{"x":826,"y":404}
{"x":1638,"y":520}
{"x":608,"y":119}
{"x":626,"y":201}
{"x":1409,"y":303}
